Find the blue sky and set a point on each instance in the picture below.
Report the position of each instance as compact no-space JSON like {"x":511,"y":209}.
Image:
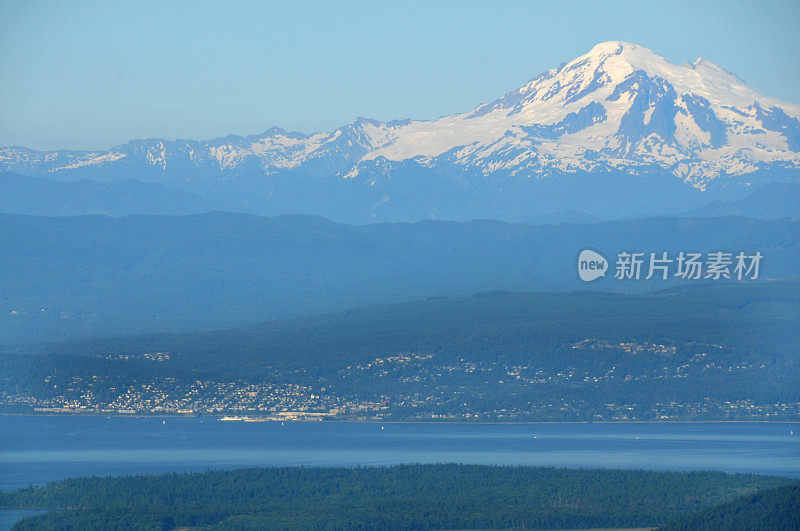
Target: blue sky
{"x":89,"y":75}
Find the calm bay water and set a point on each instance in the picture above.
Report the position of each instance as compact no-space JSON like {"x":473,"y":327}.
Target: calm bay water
{"x":38,"y":449}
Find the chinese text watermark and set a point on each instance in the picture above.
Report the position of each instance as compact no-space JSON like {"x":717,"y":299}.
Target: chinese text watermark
{"x":663,"y":265}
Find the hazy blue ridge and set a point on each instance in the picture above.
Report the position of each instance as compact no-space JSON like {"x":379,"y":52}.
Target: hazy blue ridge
{"x":71,"y":277}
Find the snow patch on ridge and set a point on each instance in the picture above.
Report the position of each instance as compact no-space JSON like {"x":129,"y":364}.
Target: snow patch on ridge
{"x":619,"y":106}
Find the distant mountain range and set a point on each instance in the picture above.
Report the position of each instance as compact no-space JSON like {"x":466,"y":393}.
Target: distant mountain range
{"x":771,"y":201}
{"x":617,"y":132}
{"x":81,"y":276}
{"x":24,"y":194}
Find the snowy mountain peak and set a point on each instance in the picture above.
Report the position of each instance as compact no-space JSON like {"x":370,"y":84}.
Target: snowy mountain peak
{"x":610,"y":48}
{"x":703,"y":78}
{"x":625,"y":52}
{"x":618,"y":59}
{"x":618,"y":107}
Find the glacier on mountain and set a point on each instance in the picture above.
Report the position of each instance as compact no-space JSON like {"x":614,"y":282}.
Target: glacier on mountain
{"x":618,"y":109}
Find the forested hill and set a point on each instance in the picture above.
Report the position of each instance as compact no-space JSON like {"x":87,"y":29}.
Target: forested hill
{"x":714,"y":352}
{"x":751,"y":318}
{"x":89,"y":276}
{"x":772,"y":509}
{"x":399,"y":497}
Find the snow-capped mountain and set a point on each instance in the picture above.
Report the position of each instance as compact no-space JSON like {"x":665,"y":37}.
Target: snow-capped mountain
{"x":618,"y":110}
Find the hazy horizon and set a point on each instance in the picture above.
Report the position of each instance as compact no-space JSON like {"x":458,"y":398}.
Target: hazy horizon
{"x":91,"y":75}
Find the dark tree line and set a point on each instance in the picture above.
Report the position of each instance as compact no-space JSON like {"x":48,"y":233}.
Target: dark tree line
{"x":398,"y":497}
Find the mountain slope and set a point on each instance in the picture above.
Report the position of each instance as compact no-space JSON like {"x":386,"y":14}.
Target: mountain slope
{"x":93,"y":275}
{"x":771,"y":201}
{"x":23,"y":194}
{"x":619,"y":117}
{"x":714,"y":352}
{"x":777,"y":508}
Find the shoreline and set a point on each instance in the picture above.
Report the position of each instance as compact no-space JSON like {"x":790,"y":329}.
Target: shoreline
{"x":255,"y":419}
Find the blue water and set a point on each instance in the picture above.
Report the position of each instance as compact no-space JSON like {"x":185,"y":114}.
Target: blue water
{"x":9,"y":517}
{"x":38,"y":449}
